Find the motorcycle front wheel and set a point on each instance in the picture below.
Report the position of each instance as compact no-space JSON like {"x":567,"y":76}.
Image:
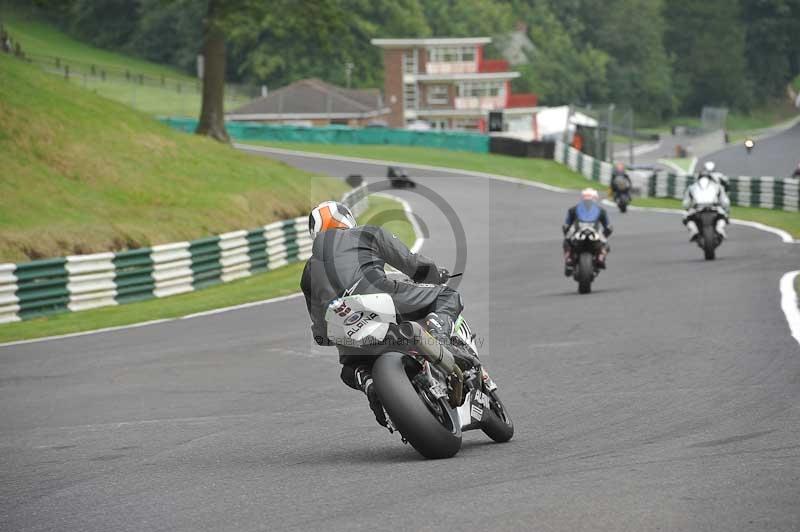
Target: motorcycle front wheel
{"x":496,"y":422}
{"x":585,"y":273}
{"x":708,"y":242}
{"x":429,"y":424}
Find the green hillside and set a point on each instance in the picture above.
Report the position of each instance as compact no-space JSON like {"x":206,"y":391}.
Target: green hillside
{"x":81,"y":173}
{"x":161,"y":90}
{"x":39,"y":38}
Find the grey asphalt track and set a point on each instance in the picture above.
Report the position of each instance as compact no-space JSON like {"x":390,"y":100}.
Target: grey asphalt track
{"x":775,"y":156}
{"x":668,"y":399}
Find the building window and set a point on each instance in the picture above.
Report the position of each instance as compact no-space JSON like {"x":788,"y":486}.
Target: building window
{"x":451,"y":54}
{"x":439,"y":124}
{"x":478,"y":89}
{"x":410,"y":62}
{"x":438,"y":94}
{"x":466,"y":124}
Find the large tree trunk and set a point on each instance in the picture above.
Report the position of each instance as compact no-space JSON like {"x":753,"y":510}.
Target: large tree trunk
{"x":212,"y":114}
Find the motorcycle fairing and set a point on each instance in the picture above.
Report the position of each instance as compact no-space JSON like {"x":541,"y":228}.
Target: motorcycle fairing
{"x":472,"y":411}
{"x":360,"y":319}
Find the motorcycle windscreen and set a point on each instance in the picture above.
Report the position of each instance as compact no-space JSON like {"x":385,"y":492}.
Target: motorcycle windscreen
{"x":360,"y":319}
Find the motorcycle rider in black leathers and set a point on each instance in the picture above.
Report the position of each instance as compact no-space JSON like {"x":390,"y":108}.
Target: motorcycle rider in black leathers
{"x":619,"y":171}
{"x":587,"y":210}
{"x":348,"y":260}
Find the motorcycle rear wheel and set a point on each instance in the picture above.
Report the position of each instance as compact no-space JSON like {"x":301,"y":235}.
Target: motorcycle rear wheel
{"x":585,"y":273}
{"x":708,"y":242}
{"x":432,"y":427}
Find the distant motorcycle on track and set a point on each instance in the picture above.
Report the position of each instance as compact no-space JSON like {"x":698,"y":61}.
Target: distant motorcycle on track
{"x":621,"y":189}
{"x":587,"y":243}
{"x":708,"y":238}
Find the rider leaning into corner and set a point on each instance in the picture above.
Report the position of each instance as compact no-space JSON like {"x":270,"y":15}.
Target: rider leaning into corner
{"x":347,"y":259}
{"x":708,"y":189}
{"x":588,"y":210}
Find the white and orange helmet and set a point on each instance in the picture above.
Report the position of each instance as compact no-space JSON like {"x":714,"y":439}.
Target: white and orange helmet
{"x":589,"y":194}
{"x":330,"y":215}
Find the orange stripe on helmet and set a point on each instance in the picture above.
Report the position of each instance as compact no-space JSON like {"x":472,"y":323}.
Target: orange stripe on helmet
{"x":328,"y":221}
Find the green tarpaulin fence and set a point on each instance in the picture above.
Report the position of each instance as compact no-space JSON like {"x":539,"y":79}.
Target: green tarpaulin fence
{"x":244,"y":131}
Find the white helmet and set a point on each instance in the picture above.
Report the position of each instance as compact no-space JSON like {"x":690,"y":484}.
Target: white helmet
{"x":330,"y":215}
{"x":589,"y":194}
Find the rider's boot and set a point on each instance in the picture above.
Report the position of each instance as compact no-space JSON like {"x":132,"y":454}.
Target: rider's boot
{"x":569,"y":264}
{"x":694,"y":232}
{"x":439,"y":326}
{"x":721,"y":227}
{"x":364,"y":382}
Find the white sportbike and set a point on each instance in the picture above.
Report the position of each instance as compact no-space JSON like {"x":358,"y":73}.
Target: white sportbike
{"x":431,"y":392}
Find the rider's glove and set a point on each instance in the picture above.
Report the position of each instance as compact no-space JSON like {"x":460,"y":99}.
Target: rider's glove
{"x":444,"y":275}
{"x":564,"y":229}
{"x":607,"y":231}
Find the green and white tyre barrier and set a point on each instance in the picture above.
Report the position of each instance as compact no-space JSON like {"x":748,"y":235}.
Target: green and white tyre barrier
{"x":781,"y":193}
{"x":591,"y":168}
{"x":82,"y":282}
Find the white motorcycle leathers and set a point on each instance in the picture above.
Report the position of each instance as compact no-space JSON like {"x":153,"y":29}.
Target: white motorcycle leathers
{"x":705,"y":192}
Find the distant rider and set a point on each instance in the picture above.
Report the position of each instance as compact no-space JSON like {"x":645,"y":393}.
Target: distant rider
{"x":796,"y":171}
{"x":588,"y":210}
{"x":347,"y":259}
{"x":706,"y":191}
{"x":619,"y":172}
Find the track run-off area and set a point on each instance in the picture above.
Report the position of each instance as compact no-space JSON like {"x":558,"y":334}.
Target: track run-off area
{"x":667,"y":399}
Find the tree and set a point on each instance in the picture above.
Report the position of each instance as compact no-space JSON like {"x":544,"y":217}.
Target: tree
{"x":560,"y":71}
{"x":639,"y":72}
{"x":312,"y":24}
{"x":212,"y":112}
{"x":773,"y":55}
{"x":706,"y":40}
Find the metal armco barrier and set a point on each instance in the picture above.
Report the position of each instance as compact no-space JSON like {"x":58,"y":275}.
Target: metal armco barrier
{"x":781,"y":193}
{"x":82,"y":282}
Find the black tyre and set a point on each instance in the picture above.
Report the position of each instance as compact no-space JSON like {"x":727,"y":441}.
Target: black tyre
{"x":708,"y":242}
{"x":623,"y":206}
{"x":431,"y":426}
{"x":496,"y":423}
{"x":585,"y":274}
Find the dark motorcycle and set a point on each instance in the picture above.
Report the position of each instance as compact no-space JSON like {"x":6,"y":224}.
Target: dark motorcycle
{"x":398,"y":178}
{"x":431,"y":392}
{"x":621,"y":189}
{"x":708,"y":238}
{"x":587,"y":244}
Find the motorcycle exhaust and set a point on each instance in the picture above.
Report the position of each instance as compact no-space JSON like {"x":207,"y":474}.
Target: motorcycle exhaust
{"x":430,"y":348}
{"x":434,"y":352}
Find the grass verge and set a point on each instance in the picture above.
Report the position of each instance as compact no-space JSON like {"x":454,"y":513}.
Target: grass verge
{"x":262,"y":286}
{"x":683,"y":163}
{"x":540,"y":170}
{"x":83,"y":174}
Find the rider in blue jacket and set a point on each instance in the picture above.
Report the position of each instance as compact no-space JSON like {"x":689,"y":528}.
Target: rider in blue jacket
{"x":588,"y":210}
